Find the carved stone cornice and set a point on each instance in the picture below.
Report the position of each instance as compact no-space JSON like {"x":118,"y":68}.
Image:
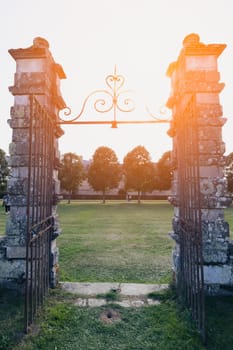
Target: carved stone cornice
{"x":39,"y":49}
{"x":193,"y":47}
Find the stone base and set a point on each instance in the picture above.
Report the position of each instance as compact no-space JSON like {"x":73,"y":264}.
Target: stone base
{"x":218,"y":274}
{"x":218,"y":278}
{"x":10,"y":284}
{"x":13,"y":266}
{"x":217,"y":289}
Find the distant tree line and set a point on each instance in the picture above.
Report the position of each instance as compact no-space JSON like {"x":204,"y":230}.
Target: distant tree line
{"x":104,"y":172}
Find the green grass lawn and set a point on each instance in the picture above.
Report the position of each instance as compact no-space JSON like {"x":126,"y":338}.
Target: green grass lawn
{"x":118,"y":241}
{"x":124,"y":242}
{"x":63,"y":326}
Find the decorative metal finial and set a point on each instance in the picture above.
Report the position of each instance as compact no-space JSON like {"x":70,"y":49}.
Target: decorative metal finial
{"x":112,"y":100}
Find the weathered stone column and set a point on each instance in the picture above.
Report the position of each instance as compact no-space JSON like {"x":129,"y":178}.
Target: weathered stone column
{"x":196,"y":73}
{"x":36,"y":74}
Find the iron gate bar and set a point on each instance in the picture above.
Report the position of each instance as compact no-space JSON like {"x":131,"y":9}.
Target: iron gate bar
{"x":116,"y":122}
{"x":191,"y":279}
{"x":39,"y":216}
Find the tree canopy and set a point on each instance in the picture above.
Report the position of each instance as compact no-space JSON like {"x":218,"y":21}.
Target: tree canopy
{"x":104,"y":170}
{"x":163,"y":172}
{"x":138,"y":171}
{"x":71,"y":173}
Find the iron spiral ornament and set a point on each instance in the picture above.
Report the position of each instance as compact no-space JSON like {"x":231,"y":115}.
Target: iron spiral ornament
{"x":113,"y":98}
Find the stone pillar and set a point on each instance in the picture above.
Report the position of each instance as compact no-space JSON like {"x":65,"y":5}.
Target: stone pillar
{"x":196,"y":73}
{"x":36,"y":74}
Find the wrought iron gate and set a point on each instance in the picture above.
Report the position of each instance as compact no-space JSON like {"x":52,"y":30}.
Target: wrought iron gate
{"x":39,"y":216}
{"x":190,"y":279}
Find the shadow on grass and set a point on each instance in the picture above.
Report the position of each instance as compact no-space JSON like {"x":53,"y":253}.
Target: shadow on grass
{"x":219,"y":321}
{"x":11,"y":318}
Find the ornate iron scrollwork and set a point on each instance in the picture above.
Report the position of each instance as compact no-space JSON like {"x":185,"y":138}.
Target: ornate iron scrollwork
{"x":115,"y":99}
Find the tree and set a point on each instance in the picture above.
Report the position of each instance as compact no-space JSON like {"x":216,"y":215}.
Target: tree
{"x":4,"y":172}
{"x":163,"y":172}
{"x":104,"y":170}
{"x":71,"y":173}
{"x":138,"y":171}
{"x":229,"y":171}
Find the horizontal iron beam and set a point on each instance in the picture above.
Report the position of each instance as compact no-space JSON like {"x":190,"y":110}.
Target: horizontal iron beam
{"x":114,"y":123}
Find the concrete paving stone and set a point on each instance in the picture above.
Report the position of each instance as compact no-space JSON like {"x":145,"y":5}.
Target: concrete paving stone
{"x":96,"y":302}
{"x":130,"y":290}
{"x":88,"y":288}
{"x":137,"y":303}
{"x":134,"y":289}
{"x":80,"y":302}
{"x":123,"y":303}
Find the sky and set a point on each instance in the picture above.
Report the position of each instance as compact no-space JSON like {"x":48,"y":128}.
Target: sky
{"x":89,"y":37}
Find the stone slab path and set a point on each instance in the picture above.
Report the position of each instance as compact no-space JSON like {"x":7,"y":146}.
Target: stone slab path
{"x":129,"y":294}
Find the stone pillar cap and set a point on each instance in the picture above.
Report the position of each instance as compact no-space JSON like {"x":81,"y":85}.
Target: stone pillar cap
{"x":40,"y":42}
{"x":192,"y":40}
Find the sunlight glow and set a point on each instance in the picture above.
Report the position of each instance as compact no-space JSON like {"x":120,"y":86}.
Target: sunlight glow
{"x":89,"y":37}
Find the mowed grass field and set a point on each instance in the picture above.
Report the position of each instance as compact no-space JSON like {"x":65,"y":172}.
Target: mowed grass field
{"x":117,"y":241}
